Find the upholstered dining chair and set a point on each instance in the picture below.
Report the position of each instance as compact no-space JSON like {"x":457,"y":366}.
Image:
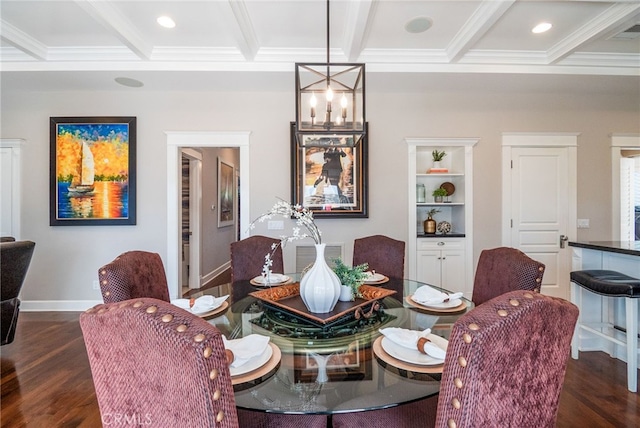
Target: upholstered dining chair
{"x":133,"y":274}
{"x":505,"y":269}
{"x":384,"y":255}
{"x":506,"y":362}
{"x":158,"y":365}
{"x":15,"y":258}
{"x":247,"y":257}
{"x":505,"y":366}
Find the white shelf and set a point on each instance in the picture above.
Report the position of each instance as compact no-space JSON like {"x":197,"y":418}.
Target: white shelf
{"x":451,"y":268}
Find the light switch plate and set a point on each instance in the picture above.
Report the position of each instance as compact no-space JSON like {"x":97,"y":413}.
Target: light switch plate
{"x":583,"y":223}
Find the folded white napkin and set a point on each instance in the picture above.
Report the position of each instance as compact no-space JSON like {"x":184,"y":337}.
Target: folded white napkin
{"x":201,"y":304}
{"x":246,"y":348}
{"x":426,"y":295}
{"x":274,"y":278}
{"x":409,"y":339}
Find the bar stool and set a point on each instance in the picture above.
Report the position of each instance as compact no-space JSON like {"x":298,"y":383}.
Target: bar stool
{"x":609,"y":284}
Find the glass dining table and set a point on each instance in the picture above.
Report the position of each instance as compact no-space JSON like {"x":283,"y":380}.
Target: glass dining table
{"x":336,"y":367}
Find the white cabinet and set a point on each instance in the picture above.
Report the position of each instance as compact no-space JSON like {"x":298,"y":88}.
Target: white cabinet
{"x":443,"y":260}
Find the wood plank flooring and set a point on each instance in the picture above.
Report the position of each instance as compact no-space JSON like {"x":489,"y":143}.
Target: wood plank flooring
{"x":46,"y":381}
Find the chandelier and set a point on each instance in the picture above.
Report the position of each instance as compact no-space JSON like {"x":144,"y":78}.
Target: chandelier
{"x":330,"y":102}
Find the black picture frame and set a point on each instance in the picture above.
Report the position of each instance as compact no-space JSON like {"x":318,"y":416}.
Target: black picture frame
{"x":92,"y":171}
{"x":330,"y":192}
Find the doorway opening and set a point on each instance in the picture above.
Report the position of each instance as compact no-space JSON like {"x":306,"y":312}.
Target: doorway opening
{"x":176,"y":141}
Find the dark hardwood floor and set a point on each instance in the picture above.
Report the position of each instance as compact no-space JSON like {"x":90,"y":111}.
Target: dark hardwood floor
{"x":46,"y":381}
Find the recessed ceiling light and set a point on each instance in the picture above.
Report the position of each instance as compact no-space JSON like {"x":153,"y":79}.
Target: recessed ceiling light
{"x":166,"y":22}
{"x":126,"y":81}
{"x":418,"y":25}
{"x":541,"y":27}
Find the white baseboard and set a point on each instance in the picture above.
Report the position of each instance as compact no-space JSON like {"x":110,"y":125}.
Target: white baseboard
{"x":57,"y":305}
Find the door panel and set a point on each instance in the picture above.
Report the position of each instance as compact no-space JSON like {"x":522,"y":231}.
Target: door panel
{"x":540,"y":206}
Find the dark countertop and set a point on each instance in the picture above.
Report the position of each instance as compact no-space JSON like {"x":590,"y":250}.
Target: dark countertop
{"x":623,"y":247}
{"x":440,"y":235}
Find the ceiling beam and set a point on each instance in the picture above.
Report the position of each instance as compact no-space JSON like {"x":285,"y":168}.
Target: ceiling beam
{"x":118,"y":25}
{"x":243,"y":31}
{"x":21,"y":40}
{"x":357,"y":27}
{"x":484,"y":17}
{"x":610,"y":19}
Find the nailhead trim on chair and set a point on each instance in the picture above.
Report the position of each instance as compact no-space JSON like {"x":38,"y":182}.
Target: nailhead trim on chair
{"x":198,"y":338}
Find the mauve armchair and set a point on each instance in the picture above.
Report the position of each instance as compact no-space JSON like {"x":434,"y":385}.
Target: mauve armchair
{"x":15,"y":258}
{"x":506,"y":362}
{"x":384,"y":255}
{"x":247,"y":257}
{"x":505,"y":269}
{"x":133,"y":274}
{"x":157,"y":365}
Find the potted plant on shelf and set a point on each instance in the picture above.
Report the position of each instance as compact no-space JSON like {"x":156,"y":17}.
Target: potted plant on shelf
{"x":430,"y":223}
{"x":437,"y":156}
{"x":351,"y":279}
{"x":439,"y":194}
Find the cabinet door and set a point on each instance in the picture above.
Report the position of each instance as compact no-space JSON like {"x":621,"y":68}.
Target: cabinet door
{"x":452,"y":271}
{"x":428,"y":269}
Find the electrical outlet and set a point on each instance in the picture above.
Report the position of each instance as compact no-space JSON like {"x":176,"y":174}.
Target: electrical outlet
{"x":275,"y":225}
{"x":96,"y":285}
{"x":583,"y":223}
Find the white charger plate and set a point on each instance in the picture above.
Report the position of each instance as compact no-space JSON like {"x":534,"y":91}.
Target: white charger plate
{"x":414,"y":356}
{"x":444,"y":305}
{"x":253,"y":363}
{"x":276,"y":278}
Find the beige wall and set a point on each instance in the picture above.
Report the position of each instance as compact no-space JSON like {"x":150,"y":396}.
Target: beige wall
{"x":67,"y":258}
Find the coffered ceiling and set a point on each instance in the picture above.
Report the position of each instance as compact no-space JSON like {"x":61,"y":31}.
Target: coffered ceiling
{"x":84,"y":44}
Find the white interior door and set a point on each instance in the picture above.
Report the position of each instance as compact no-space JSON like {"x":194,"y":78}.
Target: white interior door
{"x":539,"y":207}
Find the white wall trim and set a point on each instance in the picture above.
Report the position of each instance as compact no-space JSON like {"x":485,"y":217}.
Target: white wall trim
{"x":15,"y":144}
{"x":217,"y":271}
{"x":540,"y":139}
{"x":176,"y":140}
{"x":618,"y":142}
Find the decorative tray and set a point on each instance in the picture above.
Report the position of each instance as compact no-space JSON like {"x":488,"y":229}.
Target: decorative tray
{"x":287,"y":297}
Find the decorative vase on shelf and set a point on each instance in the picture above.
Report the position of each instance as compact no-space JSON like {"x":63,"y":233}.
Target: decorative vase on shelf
{"x":320,"y":286}
{"x":430,"y":226}
{"x":420,"y":193}
{"x":436,"y":165}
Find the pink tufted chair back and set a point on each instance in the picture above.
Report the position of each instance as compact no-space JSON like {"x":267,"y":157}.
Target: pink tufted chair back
{"x":133,"y":274}
{"x":247,"y":257}
{"x":505,"y":269}
{"x":157,"y":365}
{"x":506,"y":362}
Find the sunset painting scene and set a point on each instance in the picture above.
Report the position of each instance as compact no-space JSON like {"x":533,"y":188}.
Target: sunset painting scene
{"x":92,"y":170}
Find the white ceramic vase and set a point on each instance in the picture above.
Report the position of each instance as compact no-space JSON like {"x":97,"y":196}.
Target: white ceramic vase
{"x":320,"y":286}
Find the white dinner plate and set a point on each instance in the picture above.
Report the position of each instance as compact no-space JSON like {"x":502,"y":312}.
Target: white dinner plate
{"x":444,"y":305}
{"x":414,"y":356}
{"x":275,"y":278}
{"x":376,"y":277}
{"x":253,"y":364}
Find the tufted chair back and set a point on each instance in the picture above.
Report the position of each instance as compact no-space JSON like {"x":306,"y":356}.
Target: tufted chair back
{"x":506,"y":362}
{"x":15,"y":258}
{"x":157,"y":365}
{"x":247,"y":257}
{"x":505,"y":269}
{"x":133,"y":274}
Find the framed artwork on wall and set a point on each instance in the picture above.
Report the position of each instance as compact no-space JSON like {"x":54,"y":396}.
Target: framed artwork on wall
{"x":330,"y":181}
{"x":92,"y":171}
{"x":226,"y":194}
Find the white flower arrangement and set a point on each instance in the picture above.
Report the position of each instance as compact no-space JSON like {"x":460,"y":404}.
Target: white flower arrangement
{"x":303,"y":218}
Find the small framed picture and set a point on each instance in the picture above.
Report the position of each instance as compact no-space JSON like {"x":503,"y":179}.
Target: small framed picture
{"x":226,"y":194}
{"x":92,"y":171}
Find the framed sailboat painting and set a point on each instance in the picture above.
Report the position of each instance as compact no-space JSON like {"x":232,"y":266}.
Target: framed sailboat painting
{"x":92,"y":171}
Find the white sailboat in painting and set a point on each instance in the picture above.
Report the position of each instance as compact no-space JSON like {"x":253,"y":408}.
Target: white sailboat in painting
{"x":82,"y":183}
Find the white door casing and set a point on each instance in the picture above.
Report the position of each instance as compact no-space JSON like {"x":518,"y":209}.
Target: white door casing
{"x":618,"y":143}
{"x":195,"y":205}
{"x":10,"y":170}
{"x":176,"y":140}
{"x":539,"y":201}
